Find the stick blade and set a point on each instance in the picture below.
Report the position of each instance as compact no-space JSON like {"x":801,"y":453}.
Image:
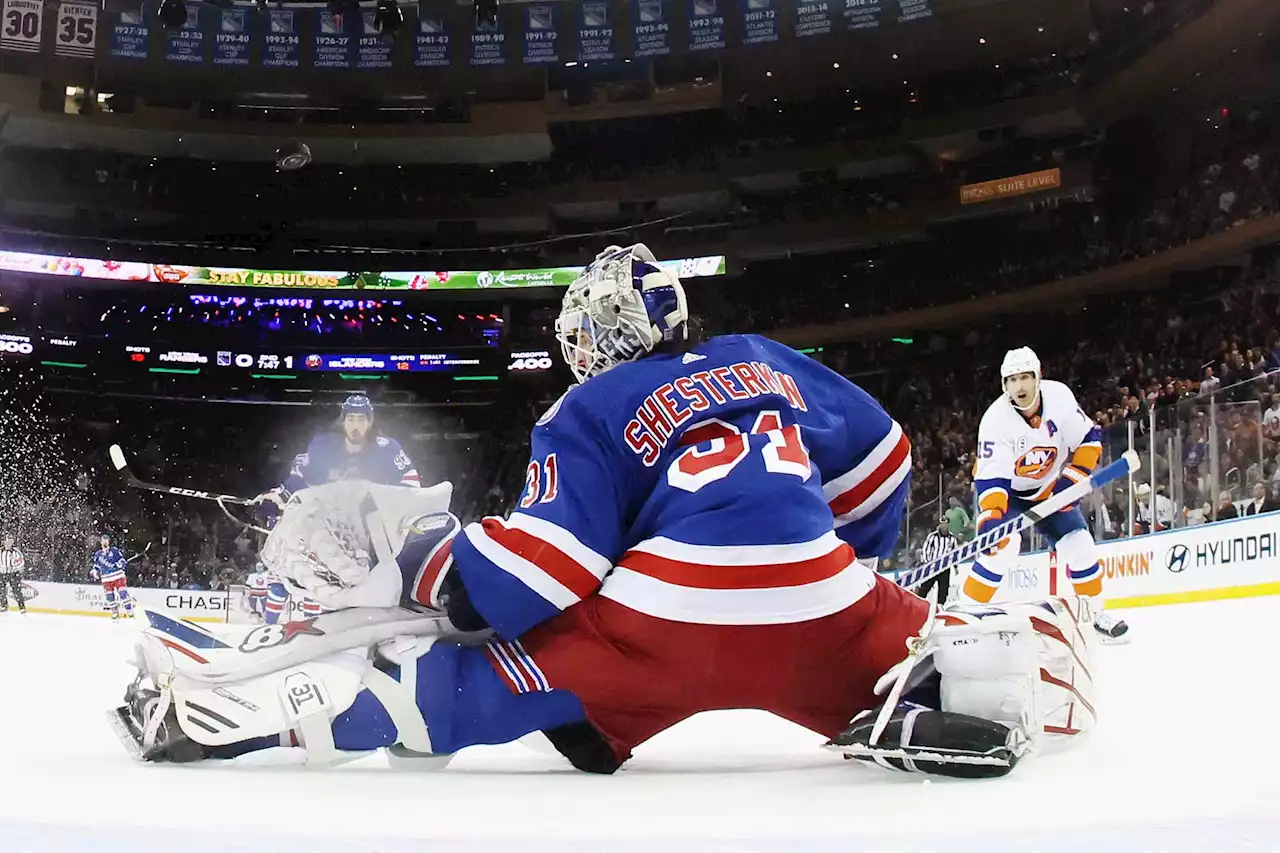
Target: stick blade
{"x":117,"y":457}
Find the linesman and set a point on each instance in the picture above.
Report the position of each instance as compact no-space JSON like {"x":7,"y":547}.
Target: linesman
{"x":12,"y":565}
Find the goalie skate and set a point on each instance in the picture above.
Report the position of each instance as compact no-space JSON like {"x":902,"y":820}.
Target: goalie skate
{"x":147,"y":725}
{"x":938,"y":742}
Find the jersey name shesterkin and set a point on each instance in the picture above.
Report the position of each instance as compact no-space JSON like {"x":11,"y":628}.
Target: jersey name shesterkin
{"x":730,"y":485}
{"x":1024,"y":458}
{"x":328,"y":460}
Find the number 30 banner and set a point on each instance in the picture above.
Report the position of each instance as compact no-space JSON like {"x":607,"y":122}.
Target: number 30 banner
{"x":20,"y":30}
{"x":77,"y":29}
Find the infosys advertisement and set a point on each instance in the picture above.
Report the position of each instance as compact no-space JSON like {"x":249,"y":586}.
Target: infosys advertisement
{"x":23,"y":262}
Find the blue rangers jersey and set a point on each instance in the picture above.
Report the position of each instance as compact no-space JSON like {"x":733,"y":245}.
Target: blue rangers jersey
{"x":731,"y":485}
{"x":327,"y":460}
{"x":109,"y":564}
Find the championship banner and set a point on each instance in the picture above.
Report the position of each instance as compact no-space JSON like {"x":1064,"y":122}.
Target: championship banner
{"x":706,"y":25}
{"x":77,"y":30}
{"x":488,"y":43}
{"x":234,"y":37}
{"x":20,"y":30}
{"x":540,"y":36}
{"x":186,"y":44}
{"x":282,"y":46}
{"x":129,"y":34}
{"x":335,"y":44}
{"x":862,"y":14}
{"x":374,"y":51}
{"x":813,"y":18}
{"x":914,"y":10}
{"x":431,"y":48}
{"x":759,"y":22}
{"x":650,"y":30}
{"x":1032,"y":182}
{"x":596,"y":42}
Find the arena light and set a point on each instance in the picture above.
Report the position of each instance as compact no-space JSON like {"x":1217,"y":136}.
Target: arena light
{"x":388,"y":18}
{"x":172,"y":13}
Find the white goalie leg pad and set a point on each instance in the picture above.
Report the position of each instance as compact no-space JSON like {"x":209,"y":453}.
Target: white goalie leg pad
{"x":1021,"y":664}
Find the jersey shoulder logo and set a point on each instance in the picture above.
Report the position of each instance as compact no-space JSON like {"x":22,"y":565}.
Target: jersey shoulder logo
{"x":383,"y":441}
{"x":1035,"y":463}
{"x":691,"y":357}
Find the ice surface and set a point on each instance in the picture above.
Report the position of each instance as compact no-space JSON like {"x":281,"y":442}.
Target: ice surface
{"x":1184,"y":759}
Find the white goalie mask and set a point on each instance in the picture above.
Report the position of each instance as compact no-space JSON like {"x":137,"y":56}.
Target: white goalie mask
{"x":618,"y":309}
{"x":1024,"y":395}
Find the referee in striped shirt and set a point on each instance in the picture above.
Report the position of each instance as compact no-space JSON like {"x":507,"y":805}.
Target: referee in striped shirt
{"x":11,"y":566}
{"x":937,"y":544}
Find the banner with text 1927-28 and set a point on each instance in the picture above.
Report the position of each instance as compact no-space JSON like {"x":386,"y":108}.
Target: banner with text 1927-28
{"x":129,"y":33}
{"x":20,"y":25}
{"x":77,"y":29}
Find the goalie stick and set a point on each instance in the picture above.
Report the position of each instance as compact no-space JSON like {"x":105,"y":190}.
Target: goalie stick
{"x":121,"y":464}
{"x":1128,"y":463}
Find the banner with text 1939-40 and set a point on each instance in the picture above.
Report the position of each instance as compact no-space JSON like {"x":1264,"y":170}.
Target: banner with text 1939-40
{"x":20,"y":25}
{"x":234,"y":36}
{"x":77,"y":29}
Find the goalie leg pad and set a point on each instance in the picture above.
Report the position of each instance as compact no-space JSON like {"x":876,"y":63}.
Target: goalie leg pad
{"x":1025,"y":665}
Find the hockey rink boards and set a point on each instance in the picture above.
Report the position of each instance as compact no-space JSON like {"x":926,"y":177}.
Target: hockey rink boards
{"x":1184,"y":758}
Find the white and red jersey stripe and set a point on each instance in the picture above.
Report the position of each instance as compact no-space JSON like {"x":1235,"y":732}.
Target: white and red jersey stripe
{"x":543,"y":556}
{"x":411,"y":478}
{"x":739,"y":584}
{"x":862,"y":489}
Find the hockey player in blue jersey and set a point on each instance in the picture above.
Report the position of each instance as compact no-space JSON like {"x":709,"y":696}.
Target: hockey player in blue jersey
{"x":699,"y":530}
{"x":354,"y":451}
{"x":108,"y":568}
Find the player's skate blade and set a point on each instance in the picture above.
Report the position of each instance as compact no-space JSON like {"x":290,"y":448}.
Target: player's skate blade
{"x":147,"y":738}
{"x":938,"y":742}
{"x":1111,"y":631}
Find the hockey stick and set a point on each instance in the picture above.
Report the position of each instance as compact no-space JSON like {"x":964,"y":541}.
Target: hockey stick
{"x":1128,"y":463}
{"x":139,"y":554}
{"x":121,"y":464}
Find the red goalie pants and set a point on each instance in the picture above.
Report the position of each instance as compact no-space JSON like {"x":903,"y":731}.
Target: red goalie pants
{"x":637,"y":675}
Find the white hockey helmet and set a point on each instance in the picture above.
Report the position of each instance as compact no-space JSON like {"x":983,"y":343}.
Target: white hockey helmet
{"x":618,"y":309}
{"x":1016,"y":362}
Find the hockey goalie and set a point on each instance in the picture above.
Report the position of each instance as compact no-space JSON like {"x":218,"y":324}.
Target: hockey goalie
{"x":699,"y":530}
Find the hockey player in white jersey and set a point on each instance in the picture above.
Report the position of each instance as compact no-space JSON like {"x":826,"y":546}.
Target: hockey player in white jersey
{"x":1035,"y":441}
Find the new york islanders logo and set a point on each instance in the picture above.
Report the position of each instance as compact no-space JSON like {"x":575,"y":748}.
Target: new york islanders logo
{"x":1036,"y":462}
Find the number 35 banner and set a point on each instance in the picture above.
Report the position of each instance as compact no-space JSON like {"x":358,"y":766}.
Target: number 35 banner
{"x":21,"y":28}
{"x":77,"y":29}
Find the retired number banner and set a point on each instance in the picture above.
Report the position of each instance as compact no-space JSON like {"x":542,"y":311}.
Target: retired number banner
{"x":20,"y":30}
{"x":77,"y":30}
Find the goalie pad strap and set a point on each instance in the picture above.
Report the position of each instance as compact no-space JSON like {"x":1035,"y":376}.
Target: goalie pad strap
{"x":400,"y":705}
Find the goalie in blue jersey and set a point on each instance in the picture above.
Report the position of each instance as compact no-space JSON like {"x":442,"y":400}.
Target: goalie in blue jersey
{"x":699,"y":530}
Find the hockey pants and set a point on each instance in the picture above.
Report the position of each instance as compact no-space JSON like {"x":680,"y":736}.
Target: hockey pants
{"x":11,"y":582}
